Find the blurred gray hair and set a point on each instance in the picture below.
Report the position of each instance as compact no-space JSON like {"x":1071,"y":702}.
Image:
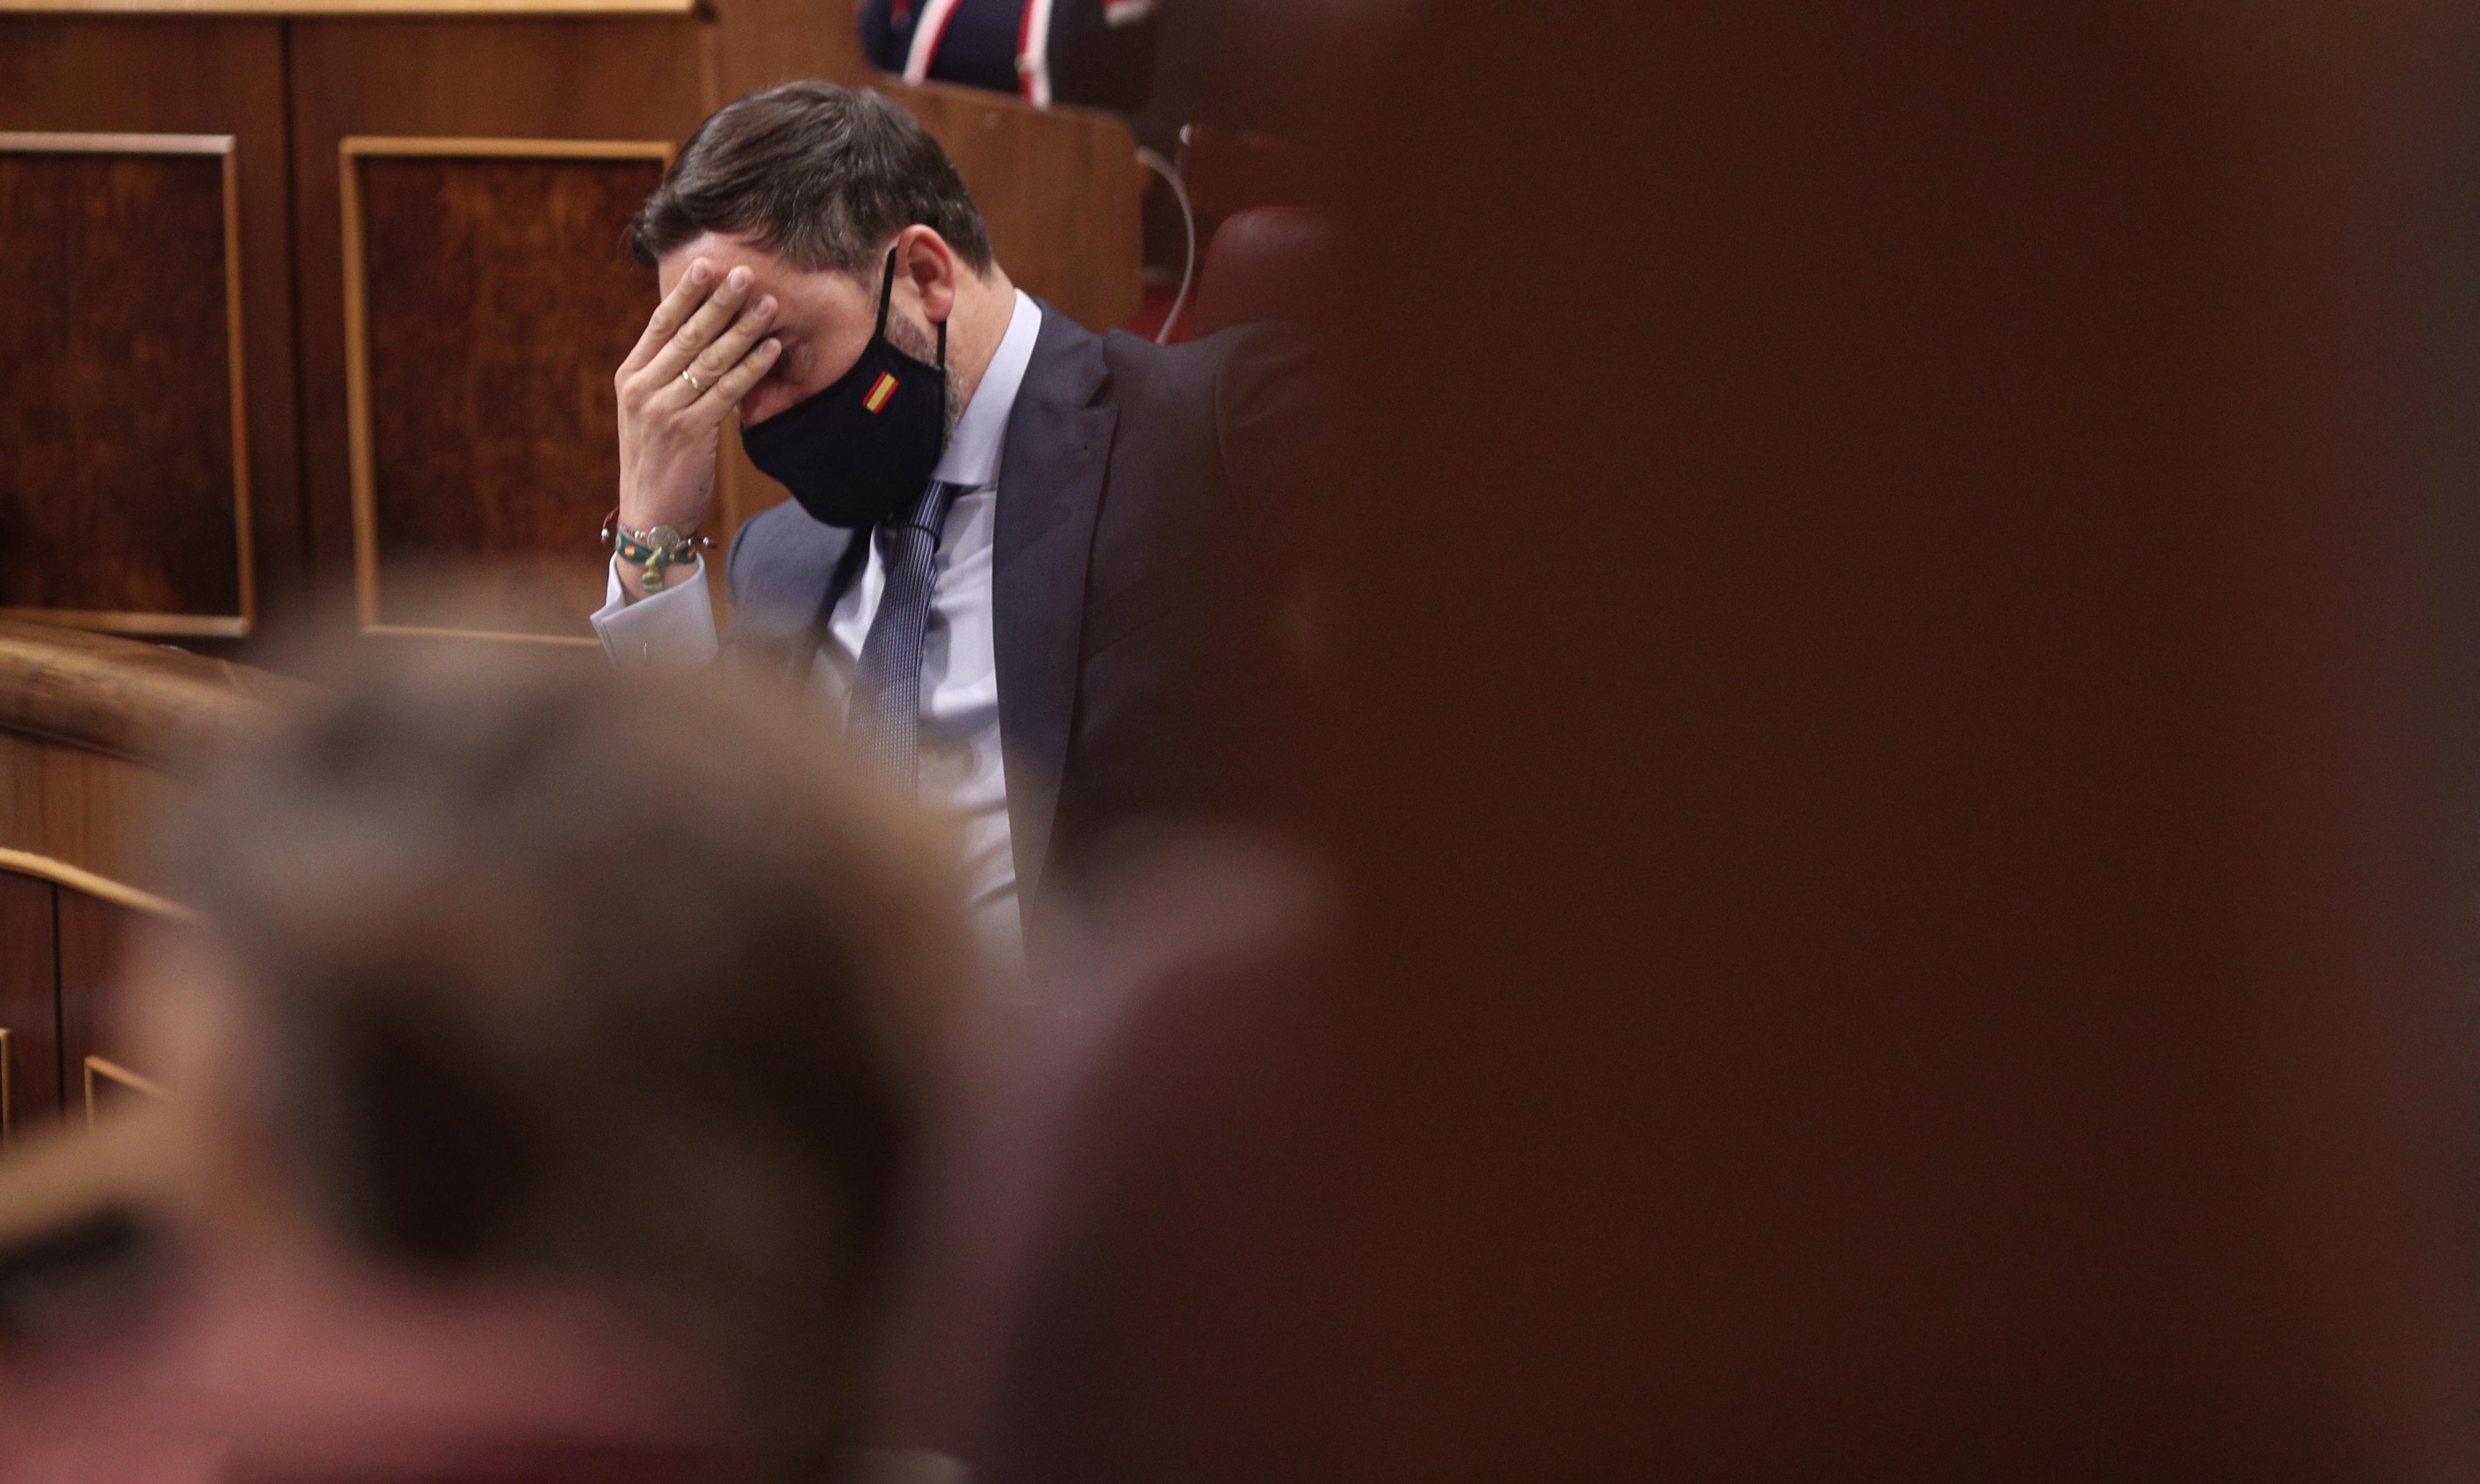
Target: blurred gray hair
{"x":622,"y":985}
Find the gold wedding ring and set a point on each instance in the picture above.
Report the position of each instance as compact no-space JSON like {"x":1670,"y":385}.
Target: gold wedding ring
{"x":694,"y":382}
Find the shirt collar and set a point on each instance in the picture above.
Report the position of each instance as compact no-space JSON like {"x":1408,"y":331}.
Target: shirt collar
{"x":973,"y":455}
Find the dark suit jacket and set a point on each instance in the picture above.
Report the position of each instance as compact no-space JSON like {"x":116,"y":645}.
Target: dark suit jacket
{"x":1139,"y":488}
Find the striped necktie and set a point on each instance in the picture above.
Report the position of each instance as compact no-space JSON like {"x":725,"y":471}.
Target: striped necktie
{"x":885,"y":716}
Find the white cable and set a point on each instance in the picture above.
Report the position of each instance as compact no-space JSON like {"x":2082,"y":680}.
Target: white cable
{"x":1154,"y":161}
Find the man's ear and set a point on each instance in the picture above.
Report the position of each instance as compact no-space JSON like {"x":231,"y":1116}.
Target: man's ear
{"x":924,"y":260}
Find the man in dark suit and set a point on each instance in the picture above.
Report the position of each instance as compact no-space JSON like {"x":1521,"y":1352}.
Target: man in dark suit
{"x":1021,"y":560}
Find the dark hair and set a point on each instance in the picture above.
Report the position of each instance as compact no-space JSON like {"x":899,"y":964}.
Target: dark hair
{"x":822,"y":175}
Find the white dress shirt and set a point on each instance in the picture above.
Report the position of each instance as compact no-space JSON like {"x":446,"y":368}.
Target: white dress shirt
{"x":962,"y":767}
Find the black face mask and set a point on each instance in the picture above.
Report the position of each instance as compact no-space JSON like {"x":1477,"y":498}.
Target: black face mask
{"x":866,"y":444}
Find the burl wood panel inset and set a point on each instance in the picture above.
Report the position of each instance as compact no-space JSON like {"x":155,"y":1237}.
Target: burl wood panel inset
{"x":119,"y":491}
{"x":495,"y":302}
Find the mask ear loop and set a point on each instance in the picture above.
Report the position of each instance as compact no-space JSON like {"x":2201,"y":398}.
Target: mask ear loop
{"x":887,"y":296}
{"x":886,"y":293}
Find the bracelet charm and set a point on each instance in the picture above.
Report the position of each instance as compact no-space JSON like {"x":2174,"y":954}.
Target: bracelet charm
{"x":653,"y":551}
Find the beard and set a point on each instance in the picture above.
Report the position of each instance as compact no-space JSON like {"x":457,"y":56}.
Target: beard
{"x":922,"y":345}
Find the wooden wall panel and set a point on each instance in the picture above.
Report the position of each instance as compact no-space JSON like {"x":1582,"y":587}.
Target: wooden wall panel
{"x":28,"y":1000}
{"x":118,"y":396}
{"x":82,"y":808}
{"x":444,"y":78}
{"x":1059,"y":191}
{"x":758,"y":43}
{"x":151,"y":75}
{"x":488,"y":303}
{"x":93,"y":949}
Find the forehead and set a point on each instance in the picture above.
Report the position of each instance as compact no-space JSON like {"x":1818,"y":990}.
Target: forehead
{"x":725,"y":253}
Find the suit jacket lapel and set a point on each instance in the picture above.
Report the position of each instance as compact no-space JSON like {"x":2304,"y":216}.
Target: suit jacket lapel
{"x":1049,"y":493}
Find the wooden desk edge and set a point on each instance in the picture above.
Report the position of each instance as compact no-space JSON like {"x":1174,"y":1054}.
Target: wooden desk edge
{"x":125,"y":699}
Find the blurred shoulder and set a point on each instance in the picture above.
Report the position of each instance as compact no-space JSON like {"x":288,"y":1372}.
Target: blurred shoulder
{"x":1207,"y":371}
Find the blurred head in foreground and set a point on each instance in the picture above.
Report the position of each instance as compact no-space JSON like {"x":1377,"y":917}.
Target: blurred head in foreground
{"x":610,"y":1002}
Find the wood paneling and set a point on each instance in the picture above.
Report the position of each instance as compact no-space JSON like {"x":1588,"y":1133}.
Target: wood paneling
{"x":62,"y":953}
{"x":29,"y":998}
{"x":1058,"y":189}
{"x":575,"y":80}
{"x":757,"y":44}
{"x":76,"y":806}
{"x":105,"y":1083}
{"x":93,"y":938}
{"x":92,"y":733}
{"x":146,"y":313}
{"x":488,"y":301}
{"x":77,"y":714}
{"x":119,"y":402}
{"x":141,"y":701}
